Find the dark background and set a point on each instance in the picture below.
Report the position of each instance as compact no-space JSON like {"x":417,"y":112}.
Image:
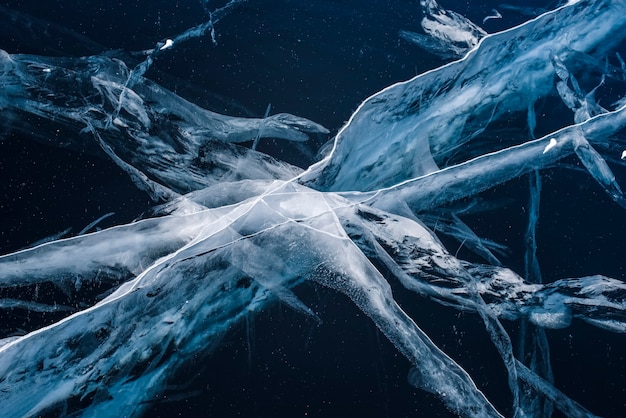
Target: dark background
{"x":318,"y":60}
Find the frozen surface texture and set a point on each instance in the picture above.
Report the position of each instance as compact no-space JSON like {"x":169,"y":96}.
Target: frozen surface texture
{"x":238,"y":229}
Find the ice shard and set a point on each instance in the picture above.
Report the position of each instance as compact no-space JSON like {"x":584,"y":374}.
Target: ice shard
{"x":448,"y":33}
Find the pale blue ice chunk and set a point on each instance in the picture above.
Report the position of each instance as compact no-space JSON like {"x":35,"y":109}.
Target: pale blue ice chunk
{"x":599,"y":169}
{"x":452,"y":30}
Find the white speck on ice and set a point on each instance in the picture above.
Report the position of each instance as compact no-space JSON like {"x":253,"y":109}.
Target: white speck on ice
{"x":168,"y":44}
{"x":119,"y":122}
{"x":550,"y":145}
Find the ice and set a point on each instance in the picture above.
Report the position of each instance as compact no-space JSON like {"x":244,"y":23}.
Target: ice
{"x":95,"y":222}
{"x":582,"y":104}
{"x":452,"y":225}
{"x":430,"y":44}
{"x":411,"y":128}
{"x":450,"y":27}
{"x":240,"y":240}
{"x":448,"y":33}
{"x":534,"y":349}
{"x":526,"y":11}
{"x":475,"y":175}
{"x":168,"y":44}
{"x":165,"y":143}
{"x":599,"y":169}
{"x":258,"y":137}
{"x":494,"y":15}
{"x":239,"y":230}
{"x":550,"y":145}
{"x":31,"y":306}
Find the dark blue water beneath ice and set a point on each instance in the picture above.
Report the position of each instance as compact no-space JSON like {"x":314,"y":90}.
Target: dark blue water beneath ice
{"x":319,"y":60}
